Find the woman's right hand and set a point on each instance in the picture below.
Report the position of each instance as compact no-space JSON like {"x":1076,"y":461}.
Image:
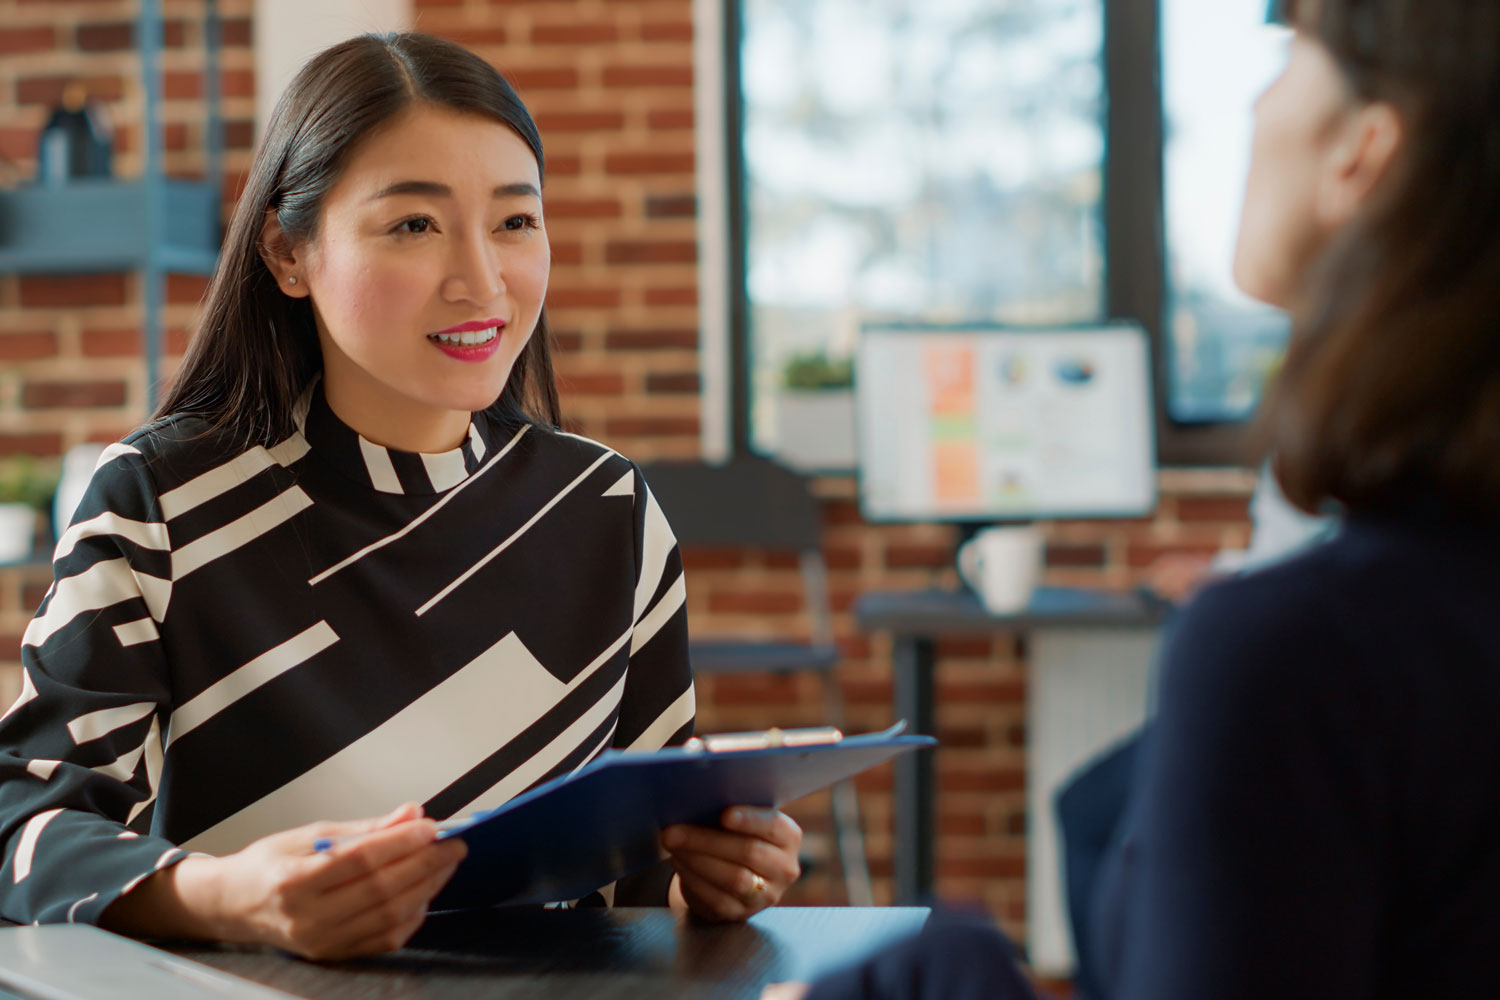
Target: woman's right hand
{"x":366,"y":895}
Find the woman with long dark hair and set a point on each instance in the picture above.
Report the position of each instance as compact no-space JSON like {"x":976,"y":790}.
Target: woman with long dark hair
{"x":1317,"y":813}
{"x":353,"y":561}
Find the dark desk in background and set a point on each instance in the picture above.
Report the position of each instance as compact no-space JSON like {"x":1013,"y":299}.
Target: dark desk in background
{"x":595,"y":954}
{"x":917,"y":620}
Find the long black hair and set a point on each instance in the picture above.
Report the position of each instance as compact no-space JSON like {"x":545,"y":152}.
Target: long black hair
{"x":256,"y":348}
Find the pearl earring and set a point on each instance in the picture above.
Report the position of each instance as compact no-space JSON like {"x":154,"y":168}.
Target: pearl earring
{"x":292,"y":280}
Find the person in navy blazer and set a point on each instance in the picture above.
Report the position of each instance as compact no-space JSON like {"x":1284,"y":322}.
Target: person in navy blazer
{"x":1316,"y":811}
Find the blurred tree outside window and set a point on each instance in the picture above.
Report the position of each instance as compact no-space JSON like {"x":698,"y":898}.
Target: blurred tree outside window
{"x":932,"y":159}
{"x":943,"y":160}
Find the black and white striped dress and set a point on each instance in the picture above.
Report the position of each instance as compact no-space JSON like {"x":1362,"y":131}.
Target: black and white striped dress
{"x":236,"y":644}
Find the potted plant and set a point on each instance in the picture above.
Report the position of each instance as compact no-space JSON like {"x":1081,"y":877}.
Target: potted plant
{"x":26,"y":488}
{"x":815,"y":412}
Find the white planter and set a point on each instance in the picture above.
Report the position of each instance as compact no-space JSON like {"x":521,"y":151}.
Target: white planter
{"x":77,"y":469}
{"x":17,"y":531}
{"x":815,"y":429}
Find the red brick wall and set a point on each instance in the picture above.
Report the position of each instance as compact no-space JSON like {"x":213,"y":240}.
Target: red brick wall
{"x":70,"y":346}
{"x":982,"y":683}
{"x":610,"y":83}
{"x":70,"y":368}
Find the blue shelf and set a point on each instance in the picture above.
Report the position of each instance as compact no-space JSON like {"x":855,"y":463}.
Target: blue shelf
{"x":95,"y":226}
{"x":153,"y":225}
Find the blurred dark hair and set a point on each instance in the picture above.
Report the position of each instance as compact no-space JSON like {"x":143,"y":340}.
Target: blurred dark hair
{"x":1392,"y":375}
{"x":256,"y":349}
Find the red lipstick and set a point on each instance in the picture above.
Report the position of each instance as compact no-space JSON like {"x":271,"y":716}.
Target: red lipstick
{"x":475,"y":340}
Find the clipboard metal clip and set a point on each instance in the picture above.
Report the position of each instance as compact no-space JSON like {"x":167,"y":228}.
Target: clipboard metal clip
{"x":763,"y":740}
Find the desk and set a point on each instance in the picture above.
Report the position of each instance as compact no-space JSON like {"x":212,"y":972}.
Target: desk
{"x":597,"y":954}
{"x":1089,"y":653}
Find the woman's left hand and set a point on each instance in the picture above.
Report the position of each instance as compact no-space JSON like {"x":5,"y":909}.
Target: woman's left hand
{"x":734,"y":873}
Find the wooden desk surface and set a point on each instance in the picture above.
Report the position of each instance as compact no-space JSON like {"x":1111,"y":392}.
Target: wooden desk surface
{"x":622,"y":954}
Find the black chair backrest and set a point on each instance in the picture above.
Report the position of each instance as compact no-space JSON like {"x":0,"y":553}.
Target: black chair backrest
{"x":747,"y":501}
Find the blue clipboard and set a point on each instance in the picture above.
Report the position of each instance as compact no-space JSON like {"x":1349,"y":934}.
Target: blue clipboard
{"x":568,"y":837}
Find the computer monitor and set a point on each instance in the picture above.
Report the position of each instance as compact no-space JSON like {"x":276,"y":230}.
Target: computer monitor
{"x":991,"y":423}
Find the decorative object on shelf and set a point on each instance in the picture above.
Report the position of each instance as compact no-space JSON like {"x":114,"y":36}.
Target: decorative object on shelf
{"x":815,"y":413}
{"x":26,"y":488}
{"x":152,"y":225}
{"x":76,"y":141}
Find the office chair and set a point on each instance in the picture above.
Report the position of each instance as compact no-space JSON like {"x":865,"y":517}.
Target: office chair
{"x":752,"y":502}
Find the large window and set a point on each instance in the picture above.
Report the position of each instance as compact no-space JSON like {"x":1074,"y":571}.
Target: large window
{"x":911,"y":158}
{"x":1031,"y":161}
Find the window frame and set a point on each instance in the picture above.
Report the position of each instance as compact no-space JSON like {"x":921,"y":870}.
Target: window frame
{"x":1134,"y":227}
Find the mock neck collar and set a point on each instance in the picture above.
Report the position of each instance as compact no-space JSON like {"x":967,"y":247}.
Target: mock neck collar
{"x":387,"y":470}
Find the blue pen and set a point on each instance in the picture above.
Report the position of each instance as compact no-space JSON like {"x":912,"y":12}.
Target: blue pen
{"x":324,"y":844}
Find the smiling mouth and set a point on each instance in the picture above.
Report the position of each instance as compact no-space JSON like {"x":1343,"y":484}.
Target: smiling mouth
{"x":468,"y":338}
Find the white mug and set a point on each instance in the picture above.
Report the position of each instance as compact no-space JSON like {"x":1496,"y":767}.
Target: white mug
{"x":1003,"y":566}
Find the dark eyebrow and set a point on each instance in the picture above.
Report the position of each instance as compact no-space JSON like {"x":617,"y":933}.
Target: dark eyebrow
{"x":436,"y":190}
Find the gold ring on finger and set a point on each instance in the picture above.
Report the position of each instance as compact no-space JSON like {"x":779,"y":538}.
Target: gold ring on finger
{"x":757,"y":885}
